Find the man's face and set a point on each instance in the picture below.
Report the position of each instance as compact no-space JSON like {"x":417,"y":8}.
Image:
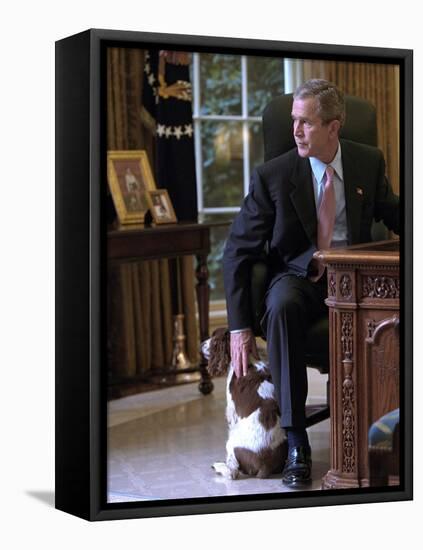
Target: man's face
{"x":312,"y":136}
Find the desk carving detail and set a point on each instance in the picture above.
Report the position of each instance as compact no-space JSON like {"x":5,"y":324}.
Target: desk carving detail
{"x":348,"y":395}
{"x":332,"y":285}
{"x":345,"y":287}
{"x":381,"y":287}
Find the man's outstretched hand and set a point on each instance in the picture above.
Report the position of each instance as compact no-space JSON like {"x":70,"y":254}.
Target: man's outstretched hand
{"x":242,"y":344}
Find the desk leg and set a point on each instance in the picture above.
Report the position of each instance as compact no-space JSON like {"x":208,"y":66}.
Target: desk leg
{"x":203,"y":297}
{"x":344,"y":413}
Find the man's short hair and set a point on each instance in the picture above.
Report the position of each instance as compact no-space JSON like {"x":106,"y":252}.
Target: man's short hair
{"x":331,"y":103}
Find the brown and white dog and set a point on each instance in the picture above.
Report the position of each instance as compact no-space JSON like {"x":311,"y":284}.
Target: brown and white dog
{"x":257,"y":444}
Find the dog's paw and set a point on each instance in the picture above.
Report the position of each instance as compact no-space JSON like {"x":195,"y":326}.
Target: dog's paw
{"x":222,"y":469}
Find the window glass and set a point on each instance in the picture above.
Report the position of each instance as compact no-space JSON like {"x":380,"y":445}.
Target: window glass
{"x":222,"y":152}
{"x":220,"y":84}
{"x":265,"y":81}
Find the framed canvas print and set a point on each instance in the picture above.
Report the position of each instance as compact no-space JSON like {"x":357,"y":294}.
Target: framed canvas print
{"x":245,"y":176}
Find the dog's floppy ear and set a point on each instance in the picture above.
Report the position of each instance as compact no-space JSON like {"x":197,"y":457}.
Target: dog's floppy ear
{"x":219,"y":352}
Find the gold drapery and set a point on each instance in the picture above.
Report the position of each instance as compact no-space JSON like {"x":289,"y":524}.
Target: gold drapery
{"x":377,"y":83}
{"x":140,"y":301}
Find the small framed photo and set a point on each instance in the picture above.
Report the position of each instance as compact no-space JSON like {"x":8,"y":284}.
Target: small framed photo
{"x":130,"y":178}
{"x":161,"y":206}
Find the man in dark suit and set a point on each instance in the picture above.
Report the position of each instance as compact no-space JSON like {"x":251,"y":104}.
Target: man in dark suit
{"x":323,"y":193}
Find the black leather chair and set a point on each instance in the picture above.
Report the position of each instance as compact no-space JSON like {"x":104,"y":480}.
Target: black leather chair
{"x":278,"y":137}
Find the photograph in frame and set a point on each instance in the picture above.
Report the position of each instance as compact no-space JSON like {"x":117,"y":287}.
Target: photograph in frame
{"x":342,"y":469}
{"x":130,"y":179}
{"x":161,"y":207}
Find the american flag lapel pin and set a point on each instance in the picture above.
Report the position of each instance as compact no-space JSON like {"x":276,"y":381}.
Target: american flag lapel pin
{"x":359,"y":191}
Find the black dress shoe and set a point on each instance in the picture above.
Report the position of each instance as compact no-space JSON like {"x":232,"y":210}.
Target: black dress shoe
{"x":297,"y":470}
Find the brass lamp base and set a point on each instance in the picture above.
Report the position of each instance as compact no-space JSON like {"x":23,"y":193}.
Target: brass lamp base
{"x":180,"y":360}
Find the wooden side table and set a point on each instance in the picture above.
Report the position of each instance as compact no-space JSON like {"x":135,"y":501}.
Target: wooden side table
{"x":363,"y":300}
{"x":170,"y":241}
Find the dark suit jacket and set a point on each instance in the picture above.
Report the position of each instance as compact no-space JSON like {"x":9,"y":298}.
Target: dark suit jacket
{"x":280,"y":212}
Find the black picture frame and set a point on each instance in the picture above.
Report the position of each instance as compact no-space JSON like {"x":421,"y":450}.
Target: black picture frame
{"x":80,"y":274}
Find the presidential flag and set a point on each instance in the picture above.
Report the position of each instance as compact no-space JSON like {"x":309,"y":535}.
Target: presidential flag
{"x":167,"y":110}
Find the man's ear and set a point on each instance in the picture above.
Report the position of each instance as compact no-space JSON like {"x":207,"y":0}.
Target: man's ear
{"x":334,"y":128}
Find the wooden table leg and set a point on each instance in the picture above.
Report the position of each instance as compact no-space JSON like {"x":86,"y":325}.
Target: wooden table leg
{"x":203,"y":296}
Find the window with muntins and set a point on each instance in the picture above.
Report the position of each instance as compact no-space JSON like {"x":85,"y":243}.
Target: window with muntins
{"x":230,"y":93}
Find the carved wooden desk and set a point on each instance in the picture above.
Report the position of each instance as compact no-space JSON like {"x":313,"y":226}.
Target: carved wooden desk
{"x":363,"y":300}
{"x":170,"y":241}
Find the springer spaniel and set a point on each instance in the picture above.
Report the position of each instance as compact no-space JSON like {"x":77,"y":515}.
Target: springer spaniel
{"x":257,"y":444}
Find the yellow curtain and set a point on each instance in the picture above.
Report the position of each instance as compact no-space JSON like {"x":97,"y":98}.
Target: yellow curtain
{"x":377,"y":83}
{"x":140,"y":311}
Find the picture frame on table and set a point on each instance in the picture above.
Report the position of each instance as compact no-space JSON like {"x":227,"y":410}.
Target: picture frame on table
{"x":130,"y":179}
{"x":82,"y":264}
{"x":161,"y":207}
